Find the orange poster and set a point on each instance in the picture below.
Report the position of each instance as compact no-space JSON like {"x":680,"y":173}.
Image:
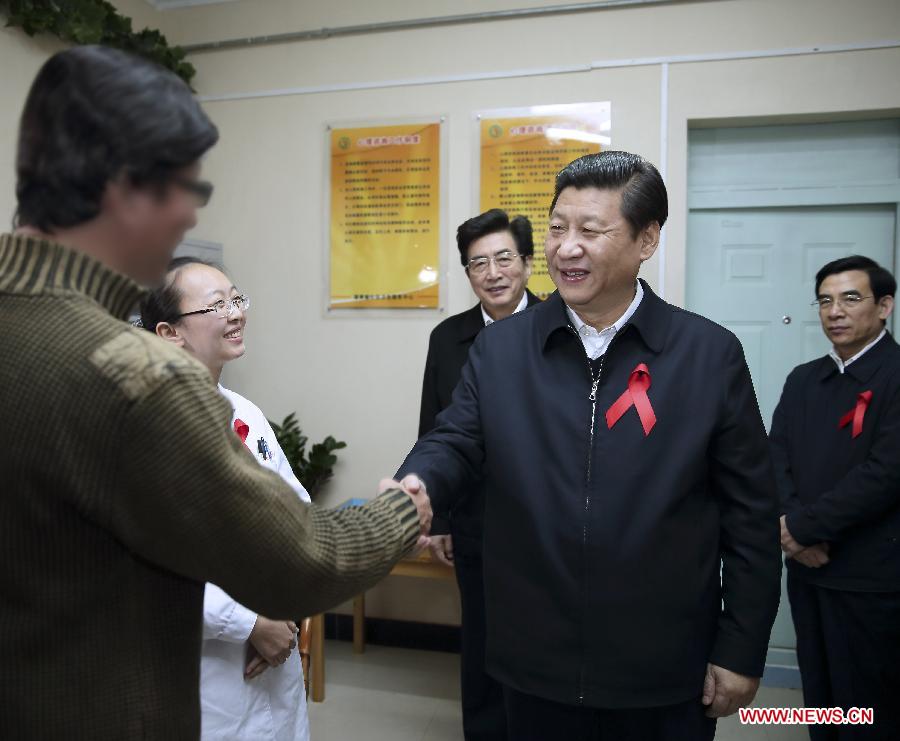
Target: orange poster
{"x":385,"y":217}
{"x":521,"y":152}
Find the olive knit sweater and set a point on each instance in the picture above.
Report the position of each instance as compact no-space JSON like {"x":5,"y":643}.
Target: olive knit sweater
{"x":122,"y":490}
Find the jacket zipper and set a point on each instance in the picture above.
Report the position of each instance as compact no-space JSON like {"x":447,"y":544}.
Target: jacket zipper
{"x":592,"y":397}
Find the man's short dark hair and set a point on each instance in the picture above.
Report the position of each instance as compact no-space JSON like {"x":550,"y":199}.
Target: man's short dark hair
{"x":94,"y":114}
{"x":491,"y":222}
{"x":644,"y":197}
{"x":880,"y":279}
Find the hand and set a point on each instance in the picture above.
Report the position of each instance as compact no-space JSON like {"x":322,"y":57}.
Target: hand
{"x":256,"y":664}
{"x":274,"y":639}
{"x":788,"y":544}
{"x":415,"y":488}
{"x":815,"y":556}
{"x":442,"y":548}
{"x":725,"y":691}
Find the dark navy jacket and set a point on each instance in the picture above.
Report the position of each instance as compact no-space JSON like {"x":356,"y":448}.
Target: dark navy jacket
{"x":838,"y":489}
{"x":602,"y":550}
{"x":448,"y":348}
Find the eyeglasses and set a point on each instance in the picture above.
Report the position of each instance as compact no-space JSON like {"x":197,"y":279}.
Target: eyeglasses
{"x":224,"y":309}
{"x":479,"y":265}
{"x":201,"y":189}
{"x":847,"y":301}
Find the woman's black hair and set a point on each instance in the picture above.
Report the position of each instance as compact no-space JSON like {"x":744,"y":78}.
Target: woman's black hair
{"x":163,"y":304}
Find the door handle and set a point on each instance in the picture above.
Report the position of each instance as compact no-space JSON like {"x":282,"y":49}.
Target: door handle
{"x":786,"y":320}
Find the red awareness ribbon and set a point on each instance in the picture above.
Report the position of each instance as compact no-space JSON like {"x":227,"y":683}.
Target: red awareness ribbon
{"x":856,"y":414}
{"x":242,"y":429}
{"x":635,"y":395}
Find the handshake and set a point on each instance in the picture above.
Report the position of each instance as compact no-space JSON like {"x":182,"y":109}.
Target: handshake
{"x":415,"y":488}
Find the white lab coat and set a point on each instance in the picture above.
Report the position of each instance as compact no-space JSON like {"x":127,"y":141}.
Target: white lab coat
{"x":273,"y":705}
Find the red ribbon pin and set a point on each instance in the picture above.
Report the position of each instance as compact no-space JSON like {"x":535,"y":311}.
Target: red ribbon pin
{"x":856,"y":414}
{"x":635,"y":395}
{"x":242,"y":429}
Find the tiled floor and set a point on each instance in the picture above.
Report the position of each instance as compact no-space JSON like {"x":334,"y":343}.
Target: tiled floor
{"x":392,"y":694}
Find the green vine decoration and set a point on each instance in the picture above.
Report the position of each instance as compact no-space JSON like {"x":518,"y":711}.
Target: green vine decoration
{"x":95,"y":22}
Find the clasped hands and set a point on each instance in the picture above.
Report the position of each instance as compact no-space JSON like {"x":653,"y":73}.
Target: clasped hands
{"x":270,"y":644}
{"x":813,"y":556}
{"x":415,"y":488}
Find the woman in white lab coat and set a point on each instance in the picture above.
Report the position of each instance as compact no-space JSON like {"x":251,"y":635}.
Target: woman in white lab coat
{"x":251,"y":678}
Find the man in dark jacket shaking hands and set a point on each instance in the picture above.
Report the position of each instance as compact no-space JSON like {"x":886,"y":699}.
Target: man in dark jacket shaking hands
{"x":631,"y":543}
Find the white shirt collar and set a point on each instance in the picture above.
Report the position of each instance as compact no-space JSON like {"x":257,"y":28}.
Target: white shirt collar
{"x":523,"y":304}
{"x":842,"y":364}
{"x":583,"y":328}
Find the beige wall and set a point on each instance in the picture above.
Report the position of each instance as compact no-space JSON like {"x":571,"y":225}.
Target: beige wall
{"x":359,"y":378}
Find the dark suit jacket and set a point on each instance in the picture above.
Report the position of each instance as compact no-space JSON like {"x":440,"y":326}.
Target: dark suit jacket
{"x":604,"y":548}
{"x":448,"y":348}
{"x":835,"y":488}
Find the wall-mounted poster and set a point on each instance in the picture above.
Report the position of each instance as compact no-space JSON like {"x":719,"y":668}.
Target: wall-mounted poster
{"x":384,"y":220}
{"x":522,"y":149}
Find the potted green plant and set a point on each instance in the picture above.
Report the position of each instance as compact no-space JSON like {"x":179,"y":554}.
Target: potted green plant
{"x":315,"y":469}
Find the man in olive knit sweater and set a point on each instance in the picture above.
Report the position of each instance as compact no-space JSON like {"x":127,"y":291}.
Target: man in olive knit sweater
{"x":123,"y":487}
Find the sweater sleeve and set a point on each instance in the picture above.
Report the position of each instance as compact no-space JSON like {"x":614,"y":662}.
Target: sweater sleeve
{"x":193,"y":500}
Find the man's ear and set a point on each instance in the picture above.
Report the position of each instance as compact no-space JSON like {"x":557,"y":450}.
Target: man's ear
{"x":649,"y":240}
{"x":885,"y":307}
{"x":529,"y":264}
{"x":170,"y":333}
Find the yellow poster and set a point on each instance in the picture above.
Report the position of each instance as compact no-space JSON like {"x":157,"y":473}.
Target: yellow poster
{"x":521,"y":152}
{"x":385,"y":217}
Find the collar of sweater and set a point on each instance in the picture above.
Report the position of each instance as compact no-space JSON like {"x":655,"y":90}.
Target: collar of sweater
{"x":35,"y":266}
